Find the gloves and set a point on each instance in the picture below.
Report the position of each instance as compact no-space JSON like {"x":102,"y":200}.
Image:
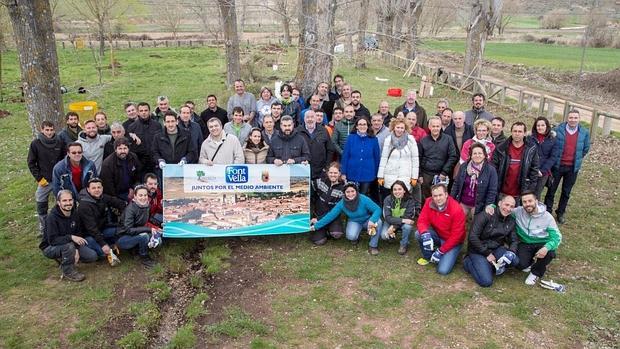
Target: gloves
{"x":43,"y":182}
{"x":413,"y":182}
{"x":162,"y":164}
{"x":182,"y":162}
{"x":427,"y":242}
{"x":381,"y":181}
{"x":436,"y":257}
{"x":155,"y":240}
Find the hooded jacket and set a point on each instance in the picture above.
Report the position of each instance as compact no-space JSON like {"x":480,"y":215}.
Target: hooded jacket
{"x":538,"y":228}
{"x":59,"y":228}
{"x":43,"y":155}
{"x":62,"y":179}
{"x":285,"y":147}
{"x":546,"y":151}
{"x":93,"y":148}
{"x":408,"y":204}
{"x":367,"y":210}
{"x":474,"y":114}
{"x":399,"y":164}
{"x":255,"y":155}
{"x":489,"y":232}
{"x":528,"y":175}
{"x":94,"y":212}
{"x":112,"y":173}
{"x":68,"y":136}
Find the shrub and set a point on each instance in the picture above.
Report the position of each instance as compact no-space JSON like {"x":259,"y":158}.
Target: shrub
{"x":554,"y":19}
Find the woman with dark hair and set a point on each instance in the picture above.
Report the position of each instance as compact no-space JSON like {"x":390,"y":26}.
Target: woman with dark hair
{"x":327,"y":191}
{"x":255,"y":149}
{"x":360,"y":212}
{"x":398,"y":212}
{"x":475,"y":185}
{"x":361,"y":157}
{"x":135,"y":229}
{"x":544,"y":138}
{"x":290,"y":106}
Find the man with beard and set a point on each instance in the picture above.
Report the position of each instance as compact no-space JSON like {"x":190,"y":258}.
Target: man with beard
{"x":213,"y":111}
{"x":146,"y":128}
{"x":101,"y":120}
{"x":288,"y":146}
{"x":477,"y":111}
{"x":45,"y":151}
{"x":334,"y":93}
{"x":118,"y":132}
{"x":93,"y":143}
{"x":411,"y":105}
{"x":156,"y":210}
{"x":343,"y":128}
{"x":73,"y":172}
{"x":446,"y":118}
{"x":360,"y":109}
{"x":70,"y":133}
{"x":320,"y":145}
{"x":121,"y":171}
{"x":62,"y":241}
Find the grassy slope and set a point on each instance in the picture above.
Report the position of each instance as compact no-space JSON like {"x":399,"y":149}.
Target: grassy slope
{"x":323,"y":296}
{"x":547,"y":56}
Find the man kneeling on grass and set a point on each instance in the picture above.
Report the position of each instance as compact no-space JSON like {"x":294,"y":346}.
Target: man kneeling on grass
{"x":61,"y":240}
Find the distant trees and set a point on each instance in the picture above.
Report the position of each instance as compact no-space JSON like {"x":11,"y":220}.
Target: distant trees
{"x":229,"y":22}
{"x":99,"y":12}
{"x":484,"y":16}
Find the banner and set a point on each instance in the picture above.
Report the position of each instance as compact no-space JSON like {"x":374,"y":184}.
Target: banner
{"x":235,"y":200}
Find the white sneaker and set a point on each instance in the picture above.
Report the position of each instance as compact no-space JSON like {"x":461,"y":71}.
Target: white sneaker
{"x":527,"y":270}
{"x":531,"y":280}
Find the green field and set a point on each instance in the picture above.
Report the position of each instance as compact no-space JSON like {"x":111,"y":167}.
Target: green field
{"x":281,"y":291}
{"x":566,"y":58}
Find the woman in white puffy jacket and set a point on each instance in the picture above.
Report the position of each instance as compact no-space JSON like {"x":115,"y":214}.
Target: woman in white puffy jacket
{"x":399,"y":159}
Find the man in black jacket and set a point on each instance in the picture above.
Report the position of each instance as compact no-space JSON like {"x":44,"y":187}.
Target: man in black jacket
{"x":213,"y":111}
{"x":438,"y":156}
{"x":288,"y":146}
{"x":146,"y":128}
{"x":516,"y":162}
{"x":62,"y":241}
{"x":319,"y":142}
{"x":356,"y":102}
{"x":96,"y":211}
{"x":121,"y":171}
{"x":45,"y":151}
{"x":497,"y":130}
{"x":492,"y":243}
{"x":70,"y":133}
{"x":173,"y":145}
{"x":459,"y":131}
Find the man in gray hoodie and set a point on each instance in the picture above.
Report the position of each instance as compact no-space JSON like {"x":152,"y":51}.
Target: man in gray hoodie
{"x":93,"y":144}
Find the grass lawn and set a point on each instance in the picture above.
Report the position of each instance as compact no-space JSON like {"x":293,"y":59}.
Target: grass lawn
{"x":280,"y":291}
{"x":567,"y":58}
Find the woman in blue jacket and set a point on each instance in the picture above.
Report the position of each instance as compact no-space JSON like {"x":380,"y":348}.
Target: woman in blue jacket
{"x":360,"y":212}
{"x":475,"y":185}
{"x":545,"y":141}
{"x":361,"y":157}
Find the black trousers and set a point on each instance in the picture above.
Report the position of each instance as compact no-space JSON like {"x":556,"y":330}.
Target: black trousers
{"x":526,"y":253}
{"x":568,"y":176}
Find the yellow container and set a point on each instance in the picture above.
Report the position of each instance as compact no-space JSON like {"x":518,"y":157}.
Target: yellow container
{"x":86,"y":109}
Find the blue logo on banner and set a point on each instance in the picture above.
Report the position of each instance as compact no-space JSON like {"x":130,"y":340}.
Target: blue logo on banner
{"x":236,"y":174}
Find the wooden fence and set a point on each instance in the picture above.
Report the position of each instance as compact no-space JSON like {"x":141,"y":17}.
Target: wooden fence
{"x":128,"y":44}
{"x":519,"y":100}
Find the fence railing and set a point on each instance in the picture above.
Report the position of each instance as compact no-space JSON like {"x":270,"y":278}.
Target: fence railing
{"x":125,"y":44}
{"x":520,"y":101}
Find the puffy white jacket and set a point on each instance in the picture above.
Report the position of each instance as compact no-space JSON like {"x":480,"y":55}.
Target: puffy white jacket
{"x":397,"y":164}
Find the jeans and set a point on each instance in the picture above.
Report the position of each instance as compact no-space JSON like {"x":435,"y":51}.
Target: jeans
{"x":568,"y":176}
{"x":404,"y":228}
{"x":109,"y":235}
{"x":333,"y":229}
{"x":526,"y":253}
{"x":447,"y":261}
{"x":481,"y":269}
{"x":127,"y":242}
{"x":353,"y":229}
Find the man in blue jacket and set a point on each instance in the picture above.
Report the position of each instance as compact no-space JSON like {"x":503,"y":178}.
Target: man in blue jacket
{"x":573,"y":143}
{"x":73,"y":172}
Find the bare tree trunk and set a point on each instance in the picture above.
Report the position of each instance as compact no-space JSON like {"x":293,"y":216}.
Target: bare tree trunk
{"x":348,"y":43}
{"x":101,"y":37}
{"x":360,"y":61}
{"x":401,"y":11}
{"x":483,"y":19}
{"x":316,"y":38}
{"x":231,"y":38}
{"x":34,"y":38}
{"x":389,"y":34}
{"x":413,"y":15}
{"x":286,"y":24}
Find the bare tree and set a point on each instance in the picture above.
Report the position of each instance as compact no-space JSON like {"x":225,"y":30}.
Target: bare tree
{"x":436,"y":15}
{"x":99,"y":13}
{"x":171,"y":14}
{"x":229,"y":21}
{"x":387,"y":13}
{"x":316,"y":43}
{"x":413,"y":18}
{"x":34,"y":37}
{"x":484,"y":16}
{"x":360,"y":61}
{"x":285,"y":17}
{"x":202,"y":9}
{"x":506,"y":17}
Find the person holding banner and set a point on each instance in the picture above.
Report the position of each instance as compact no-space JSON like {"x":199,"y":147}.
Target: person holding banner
{"x":327,"y":191}
{"x":288,"y":146}
{"x":255,"y":149}
{"x":360,"y":211}
{"x":220,"y":148}
{"x":173,"y":145}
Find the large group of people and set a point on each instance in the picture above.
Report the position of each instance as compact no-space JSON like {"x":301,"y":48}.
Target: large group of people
{"x":443,"y":177}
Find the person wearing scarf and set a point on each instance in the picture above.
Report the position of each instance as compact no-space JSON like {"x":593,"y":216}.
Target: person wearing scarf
{"x":482,"y":128}
{"x":399,"y":160}
{"x":135,"y":229}
{"x":475,"y":185}
{"x":361,"y":212}
{"x":327,"y":191}
{"x":361,"y":157}
{"x":398,"y":211}
{"x":289,"y":105}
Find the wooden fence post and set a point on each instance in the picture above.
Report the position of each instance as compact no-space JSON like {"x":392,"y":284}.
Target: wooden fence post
{"x":594,"y":125}
{"x":607,"y":126}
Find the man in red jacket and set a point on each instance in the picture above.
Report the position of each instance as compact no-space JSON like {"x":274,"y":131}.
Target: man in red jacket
{"x":441,"y":230}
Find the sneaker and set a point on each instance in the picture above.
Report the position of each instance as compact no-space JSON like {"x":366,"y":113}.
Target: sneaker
{"x":74,"y":276}
{"x":147,"y":261}
{"x":423,"y":261}
{"x":527,"y":270}
{"x":531,"y":280}
{"x":373,"y":251}
{"x":113,"y":259}
{"x":402,"y":250}
{"x":561,"y":219}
